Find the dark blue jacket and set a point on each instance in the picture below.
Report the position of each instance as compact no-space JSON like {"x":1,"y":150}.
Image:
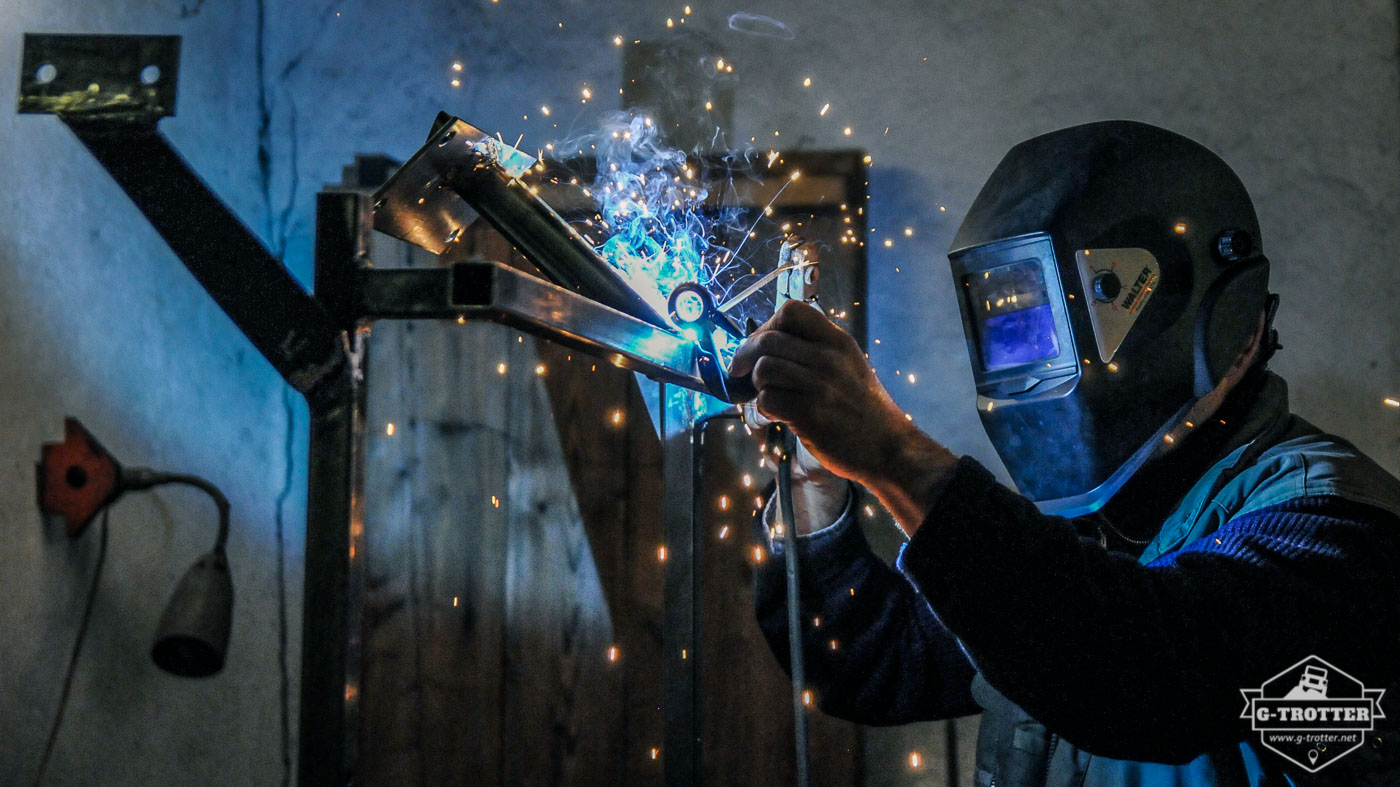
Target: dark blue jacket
{"x":1096,"y":661}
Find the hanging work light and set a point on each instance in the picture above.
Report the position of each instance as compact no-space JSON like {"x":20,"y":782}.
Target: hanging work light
{"x":78,"y":478}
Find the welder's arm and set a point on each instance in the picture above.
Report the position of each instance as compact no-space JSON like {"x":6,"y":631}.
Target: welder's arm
{"x":1147,"y":662}
{"x":892,"y":662}
{"x":813,"y":376}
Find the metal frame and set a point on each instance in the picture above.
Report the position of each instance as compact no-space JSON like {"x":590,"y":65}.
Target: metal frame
{"x":319,"y":344}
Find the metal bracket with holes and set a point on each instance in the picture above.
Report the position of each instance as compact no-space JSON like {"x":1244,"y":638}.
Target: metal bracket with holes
{"x":122,"y":78}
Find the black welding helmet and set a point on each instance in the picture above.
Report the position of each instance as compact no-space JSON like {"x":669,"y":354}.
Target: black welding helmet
{"x":1108,"y":276}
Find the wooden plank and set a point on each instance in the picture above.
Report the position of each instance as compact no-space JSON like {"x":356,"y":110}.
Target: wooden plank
{"x":562,"y":710}
{"x":435,"y":535}
{"x":614,"y":461}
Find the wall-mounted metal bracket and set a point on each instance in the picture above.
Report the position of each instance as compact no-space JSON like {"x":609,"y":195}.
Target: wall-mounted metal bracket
{"x":115,"y":78}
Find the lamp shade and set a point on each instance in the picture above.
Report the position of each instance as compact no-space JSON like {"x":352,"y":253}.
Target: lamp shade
{"x":193,"y":635}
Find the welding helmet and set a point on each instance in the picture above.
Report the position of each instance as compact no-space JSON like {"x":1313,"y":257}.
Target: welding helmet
{"x":1108,"y":276}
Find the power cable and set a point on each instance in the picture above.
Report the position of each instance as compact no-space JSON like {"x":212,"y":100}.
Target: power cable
{"x":77,"y":651}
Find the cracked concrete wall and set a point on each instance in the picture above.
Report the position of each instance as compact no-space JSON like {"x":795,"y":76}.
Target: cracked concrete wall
{"x":101,"y":322}
{"x":98,"y":320}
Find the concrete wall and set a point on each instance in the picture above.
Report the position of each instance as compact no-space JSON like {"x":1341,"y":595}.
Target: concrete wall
{"x":101,"y":322}
{"x":98,"y":320}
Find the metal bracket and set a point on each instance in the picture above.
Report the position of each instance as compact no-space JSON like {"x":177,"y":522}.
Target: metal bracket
{"x":115,"y":78}
{"x":426,"y":203}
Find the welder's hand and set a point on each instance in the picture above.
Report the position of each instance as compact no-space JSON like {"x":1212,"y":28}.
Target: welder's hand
{"x":813,"y":376}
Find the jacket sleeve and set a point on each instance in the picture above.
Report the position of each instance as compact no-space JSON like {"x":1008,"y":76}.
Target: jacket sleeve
{"x":1146,"y":662}
{"x":873,"y":650}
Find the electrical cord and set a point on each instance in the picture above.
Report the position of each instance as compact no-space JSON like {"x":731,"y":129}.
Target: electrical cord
{"x":77,"y":651}
{"x":279,"y":516}
{"x":139,"y":478}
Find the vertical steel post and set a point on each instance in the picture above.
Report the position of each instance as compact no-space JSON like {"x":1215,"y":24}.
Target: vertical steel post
{"x":331,"y":634}
{"x":680,"y":636}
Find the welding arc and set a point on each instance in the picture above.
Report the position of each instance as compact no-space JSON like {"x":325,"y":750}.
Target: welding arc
{"x":758,"y":285}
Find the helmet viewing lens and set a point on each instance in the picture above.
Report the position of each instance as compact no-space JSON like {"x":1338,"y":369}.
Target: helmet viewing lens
{"x":1015,"y":323}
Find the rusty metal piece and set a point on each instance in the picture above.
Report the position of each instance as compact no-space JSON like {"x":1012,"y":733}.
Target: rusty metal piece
{"x":76,"y":478}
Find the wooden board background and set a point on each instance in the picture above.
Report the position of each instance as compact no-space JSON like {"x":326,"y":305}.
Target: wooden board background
{"x":512,"y":528}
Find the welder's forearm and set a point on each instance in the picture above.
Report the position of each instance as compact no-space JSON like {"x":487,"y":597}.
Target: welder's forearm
{"x":908,"y":483}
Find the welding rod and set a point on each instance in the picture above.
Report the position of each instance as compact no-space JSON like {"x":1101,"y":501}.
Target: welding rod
{"x":782,"y":434}
{"x":758,"y":285}
{"x":546,"y":239}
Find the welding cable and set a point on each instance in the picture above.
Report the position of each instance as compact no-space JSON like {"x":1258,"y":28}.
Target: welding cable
{"x":781,"y":435}
{"x":77,"y":651}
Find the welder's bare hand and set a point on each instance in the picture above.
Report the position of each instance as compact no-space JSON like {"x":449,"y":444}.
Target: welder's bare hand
{"x":813,"y":376}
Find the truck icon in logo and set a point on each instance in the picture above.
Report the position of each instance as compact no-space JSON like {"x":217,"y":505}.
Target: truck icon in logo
{"x":1313,"y":684}
{"x":1312,"y":713}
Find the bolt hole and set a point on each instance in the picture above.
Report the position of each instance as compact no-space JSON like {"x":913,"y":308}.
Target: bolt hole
{"x":446,"y":138}
{"x":150,"y":75}
{"x":47,"y":73}
{"x":76,"y":477}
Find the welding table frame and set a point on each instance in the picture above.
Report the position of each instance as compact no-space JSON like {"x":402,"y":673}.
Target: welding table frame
{"x":318,"y":344}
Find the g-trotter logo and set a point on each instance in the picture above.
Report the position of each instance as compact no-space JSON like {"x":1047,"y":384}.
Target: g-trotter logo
{"x":1312,"y":713}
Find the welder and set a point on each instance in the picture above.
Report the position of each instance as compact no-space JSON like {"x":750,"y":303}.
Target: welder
{"x":1177,"y":535}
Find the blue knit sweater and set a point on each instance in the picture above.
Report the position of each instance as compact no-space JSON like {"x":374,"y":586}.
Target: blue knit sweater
{"x":1124,"y":660}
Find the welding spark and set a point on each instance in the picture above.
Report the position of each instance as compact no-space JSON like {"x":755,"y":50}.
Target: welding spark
{"x":659,"y":223}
